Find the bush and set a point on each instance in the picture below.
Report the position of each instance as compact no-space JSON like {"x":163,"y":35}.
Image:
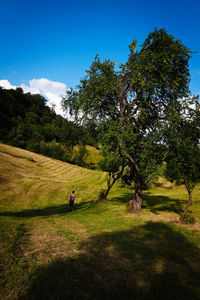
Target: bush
{"x":189,"y":219}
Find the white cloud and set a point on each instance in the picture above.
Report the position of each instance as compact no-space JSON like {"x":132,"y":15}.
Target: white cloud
{"x":53,"y":91}
{"x":47,"y":85}
{"x":6,"y":84}
{"x":28,"y":89}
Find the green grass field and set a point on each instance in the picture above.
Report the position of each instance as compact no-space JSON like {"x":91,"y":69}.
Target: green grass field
{"x":98,"y":251}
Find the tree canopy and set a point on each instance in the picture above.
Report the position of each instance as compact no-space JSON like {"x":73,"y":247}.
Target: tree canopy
{"x":127,"y":104}
{"x":181,"y":135}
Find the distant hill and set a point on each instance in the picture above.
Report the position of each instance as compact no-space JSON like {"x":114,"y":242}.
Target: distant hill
{"x":27,"y":122}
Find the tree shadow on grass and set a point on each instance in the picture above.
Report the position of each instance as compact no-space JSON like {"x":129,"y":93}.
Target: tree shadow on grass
{"x":152,"y":261}
{"x":162,"y":203}
{"x":47,"y":211}
{"x":154,"y":203}
{"x":127,"y":196}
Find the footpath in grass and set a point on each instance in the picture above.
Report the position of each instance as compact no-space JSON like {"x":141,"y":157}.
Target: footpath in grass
{"x":98,"y":251}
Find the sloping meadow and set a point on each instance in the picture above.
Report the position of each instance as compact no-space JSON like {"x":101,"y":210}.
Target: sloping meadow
{"x":100,"y":250}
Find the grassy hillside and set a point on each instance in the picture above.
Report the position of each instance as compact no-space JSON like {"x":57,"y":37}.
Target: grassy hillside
{"x":98,"y":251}
{"x":93,"y":156}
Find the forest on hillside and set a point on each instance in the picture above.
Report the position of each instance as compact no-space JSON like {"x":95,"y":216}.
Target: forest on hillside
{"x":26,"y":121}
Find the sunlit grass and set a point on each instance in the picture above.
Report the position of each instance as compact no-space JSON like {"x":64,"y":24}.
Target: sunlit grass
{"x":100,"y":250}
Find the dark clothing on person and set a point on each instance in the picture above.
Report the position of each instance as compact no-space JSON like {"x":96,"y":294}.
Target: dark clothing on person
{"x":71,"y":200}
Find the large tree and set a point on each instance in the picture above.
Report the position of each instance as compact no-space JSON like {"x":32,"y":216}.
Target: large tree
{"x":128,"y":103}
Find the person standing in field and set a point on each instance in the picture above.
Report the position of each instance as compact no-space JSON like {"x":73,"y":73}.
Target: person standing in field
{"x":72,"y":198}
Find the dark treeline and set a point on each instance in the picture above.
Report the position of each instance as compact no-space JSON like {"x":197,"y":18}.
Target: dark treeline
{"x":27,"y":122}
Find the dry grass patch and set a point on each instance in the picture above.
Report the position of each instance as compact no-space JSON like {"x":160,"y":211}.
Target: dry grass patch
{"x":50,"y":240}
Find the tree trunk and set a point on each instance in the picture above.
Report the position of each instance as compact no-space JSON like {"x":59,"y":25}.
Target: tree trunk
{"x":113,"y":177}
{"x":136,"y":204}
{"x":189,"y":199}
{"x":107,"y":191}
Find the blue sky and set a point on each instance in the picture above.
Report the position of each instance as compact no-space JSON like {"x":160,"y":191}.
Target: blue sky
{"x":58,"y":40}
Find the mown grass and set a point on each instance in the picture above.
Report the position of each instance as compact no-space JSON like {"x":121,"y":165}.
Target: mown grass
{"x":98,"y":251}
{"x":94,"y":156}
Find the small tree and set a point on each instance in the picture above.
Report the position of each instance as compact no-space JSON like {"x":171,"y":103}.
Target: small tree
{"x":114,"y":165}
{"x":182,"y":136}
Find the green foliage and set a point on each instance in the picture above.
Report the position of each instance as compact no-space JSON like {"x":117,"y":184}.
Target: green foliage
{"x":80,"y":155}
{"x":181,"y":134}
{"x":27,"y":122}
{"x":110,"y":164}
{"x":189,"y":219}
{"x":160,"y":70}
{"x":128,"y":104}
{"x":96,"y":92}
